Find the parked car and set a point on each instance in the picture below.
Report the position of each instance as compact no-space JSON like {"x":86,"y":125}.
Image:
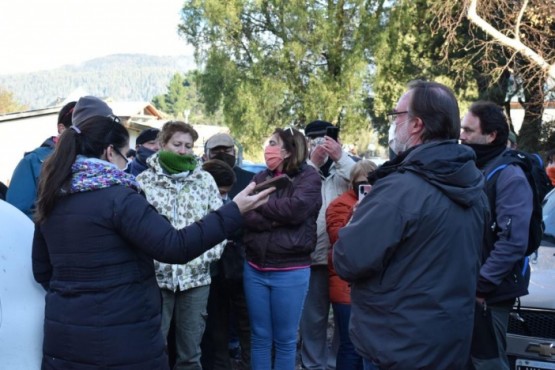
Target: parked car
{"x":253,"y":167}
{"x":21,"y":297}
{"x":531,"y":332}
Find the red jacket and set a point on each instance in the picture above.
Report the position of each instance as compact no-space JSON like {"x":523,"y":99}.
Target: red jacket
{"x":338,"y":214}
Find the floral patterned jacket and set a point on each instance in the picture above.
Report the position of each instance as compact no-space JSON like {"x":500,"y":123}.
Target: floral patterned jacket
{"x":183,"y":198}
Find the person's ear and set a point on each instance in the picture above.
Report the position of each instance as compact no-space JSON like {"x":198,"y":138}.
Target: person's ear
{"x":417,"y":125}
{"x":490,"y":138}
{"x":110,"y":153}
{"x":61,"y":128}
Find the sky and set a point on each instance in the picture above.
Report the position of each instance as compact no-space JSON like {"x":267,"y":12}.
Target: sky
{"x":45,"y":34}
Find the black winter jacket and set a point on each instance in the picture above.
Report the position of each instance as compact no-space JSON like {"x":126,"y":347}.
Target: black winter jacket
{"x":282,"y":232}
{"x":412,"y":253}
{"x":94,"y":253}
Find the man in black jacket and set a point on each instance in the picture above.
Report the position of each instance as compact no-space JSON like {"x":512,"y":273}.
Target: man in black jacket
{"x":412,"y":248}
{"x":227,"y":298}
{"x":146,"y":145}
{"x":505,"y":273}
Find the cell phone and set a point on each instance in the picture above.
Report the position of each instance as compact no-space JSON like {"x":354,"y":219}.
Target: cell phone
{"x":332,"y":132}
{"x":363,"y":190}
{"x":277,"y":182}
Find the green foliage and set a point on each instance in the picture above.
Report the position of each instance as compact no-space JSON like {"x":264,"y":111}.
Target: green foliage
{"x":182,"y":101}
{"x":411,"y":46}
{"x":272,"y":63}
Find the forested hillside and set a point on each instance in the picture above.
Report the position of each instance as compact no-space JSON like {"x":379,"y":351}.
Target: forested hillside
{"x":121,"y":76}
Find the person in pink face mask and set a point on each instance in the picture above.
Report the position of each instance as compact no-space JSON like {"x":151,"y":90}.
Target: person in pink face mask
{"x":279,"y":238}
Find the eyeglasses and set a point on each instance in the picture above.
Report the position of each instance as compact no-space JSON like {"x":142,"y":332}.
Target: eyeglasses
{"x":391,"y":116}
{"x":114,"y":118}
{"x":119,"y":153}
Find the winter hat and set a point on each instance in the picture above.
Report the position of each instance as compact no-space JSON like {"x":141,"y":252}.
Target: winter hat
{"x":221,"y":139}
{"x":317,"y":128}
{"x":148,"y":134}
{"x":91,"y":106}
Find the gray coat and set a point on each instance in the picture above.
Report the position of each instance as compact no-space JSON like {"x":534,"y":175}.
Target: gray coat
{"x":412,"y":253}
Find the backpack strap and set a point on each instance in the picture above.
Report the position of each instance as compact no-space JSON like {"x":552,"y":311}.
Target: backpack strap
{"x":500,"y":163}
{"x":496,"y":170}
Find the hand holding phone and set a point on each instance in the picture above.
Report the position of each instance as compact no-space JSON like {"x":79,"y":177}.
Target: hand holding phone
{"x":332,"y":132}
{"x":277,"y":182}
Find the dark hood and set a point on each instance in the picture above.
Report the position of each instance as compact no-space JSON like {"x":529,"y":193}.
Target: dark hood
{"x":448,"y":166}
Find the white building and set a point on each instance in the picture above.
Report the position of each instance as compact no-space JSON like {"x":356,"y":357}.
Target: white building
{"x":24,"y":131}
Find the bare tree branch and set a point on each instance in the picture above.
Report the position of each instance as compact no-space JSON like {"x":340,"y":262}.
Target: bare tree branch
{"x":519,"y":20}
{"x":513,"y":43}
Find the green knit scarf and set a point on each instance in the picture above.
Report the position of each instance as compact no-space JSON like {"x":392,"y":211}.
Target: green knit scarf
{"x":176,"y":163}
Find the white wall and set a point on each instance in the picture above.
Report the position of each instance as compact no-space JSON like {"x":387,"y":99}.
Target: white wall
{"x":517,"y":116}
{"x":20,"y":136}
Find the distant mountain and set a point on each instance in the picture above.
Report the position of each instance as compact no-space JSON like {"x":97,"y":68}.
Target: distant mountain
{"x":127,"y":77}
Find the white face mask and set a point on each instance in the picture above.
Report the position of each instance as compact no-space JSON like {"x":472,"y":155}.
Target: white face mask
{"x":391,"y":134}
{"x":125,"y":167}
{"x":394,"y":142}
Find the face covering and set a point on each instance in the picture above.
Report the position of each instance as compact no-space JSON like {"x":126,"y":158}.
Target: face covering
{"x":391,"y":134}
{"x":272,"y":156}
{"x":394,"y":143}
{"x":227,"y":158}
{"x":176,"y":163}
{"x":124,"y":169}
{"x":143,"y":153}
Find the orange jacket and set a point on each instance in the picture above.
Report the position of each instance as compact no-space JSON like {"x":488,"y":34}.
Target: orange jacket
{"x":338,"y":214}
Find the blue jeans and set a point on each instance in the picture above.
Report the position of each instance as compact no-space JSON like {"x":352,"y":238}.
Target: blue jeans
{"x":347,"y":358}
{"x":275,"y":301}
{"x":189,"y":309}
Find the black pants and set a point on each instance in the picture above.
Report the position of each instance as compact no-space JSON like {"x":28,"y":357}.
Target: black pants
{"x":226,"y":297}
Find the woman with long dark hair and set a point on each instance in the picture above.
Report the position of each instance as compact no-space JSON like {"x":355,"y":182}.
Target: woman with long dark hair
{"x":279,"y":237}
{"x":95,"y":240}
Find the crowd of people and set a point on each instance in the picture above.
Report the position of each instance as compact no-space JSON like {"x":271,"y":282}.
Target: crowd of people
{"x":156,"y":258}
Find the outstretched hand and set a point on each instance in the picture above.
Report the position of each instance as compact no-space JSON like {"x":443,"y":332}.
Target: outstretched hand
{"x":246,"y":201}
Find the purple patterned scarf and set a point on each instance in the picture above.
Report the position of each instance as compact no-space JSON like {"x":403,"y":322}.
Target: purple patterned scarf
{"x":88,"y":175}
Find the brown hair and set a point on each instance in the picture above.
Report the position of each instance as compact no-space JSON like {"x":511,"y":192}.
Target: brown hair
{"x":435,"y":104}
{"x":362,"y":168}
{"x":171,"y":127}
{"x":295,"y":143}
{"x":221,"y":172}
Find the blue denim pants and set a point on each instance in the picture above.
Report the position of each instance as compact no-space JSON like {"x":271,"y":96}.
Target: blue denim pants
{"x":347,"y":358}
{"x":275,"y":301}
